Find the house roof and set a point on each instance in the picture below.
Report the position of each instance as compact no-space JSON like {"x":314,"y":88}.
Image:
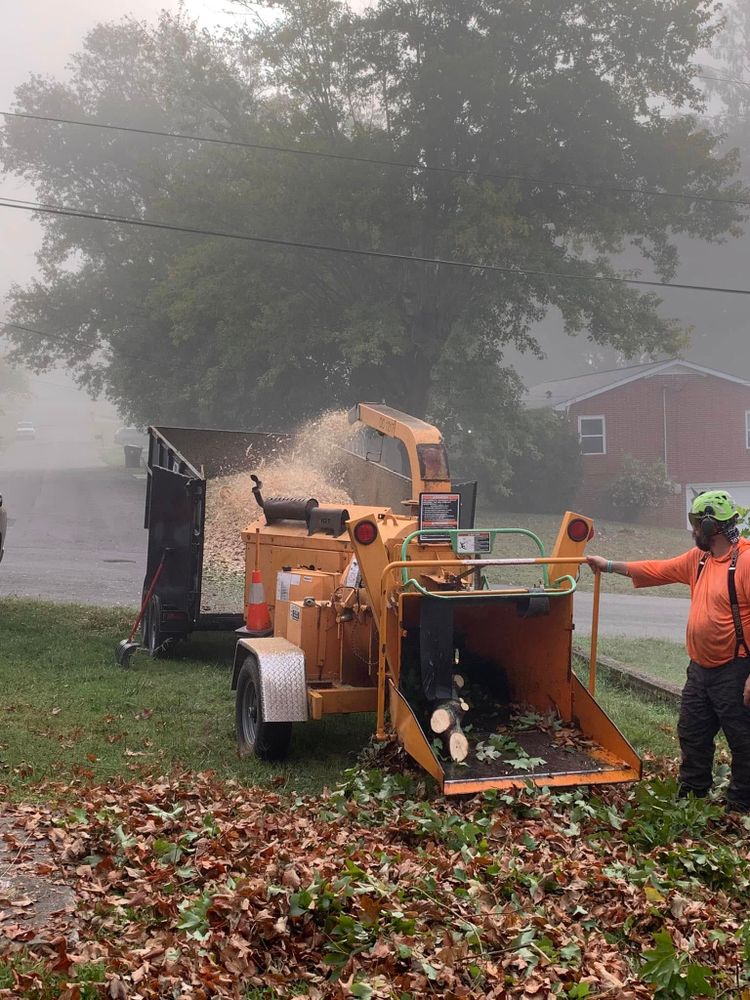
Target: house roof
{"x":561,"y":393}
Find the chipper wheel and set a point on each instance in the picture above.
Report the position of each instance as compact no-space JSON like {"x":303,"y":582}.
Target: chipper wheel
{"x":267,"y":740}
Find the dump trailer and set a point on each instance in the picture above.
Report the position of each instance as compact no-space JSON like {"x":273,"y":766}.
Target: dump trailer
{"x":181,"y":460}
{"x":389,"y":608}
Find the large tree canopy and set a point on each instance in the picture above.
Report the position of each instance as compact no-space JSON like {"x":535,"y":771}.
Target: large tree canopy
{"x":530,"y":135}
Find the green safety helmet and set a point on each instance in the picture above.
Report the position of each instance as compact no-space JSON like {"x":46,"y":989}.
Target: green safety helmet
{"x":716,"y":504}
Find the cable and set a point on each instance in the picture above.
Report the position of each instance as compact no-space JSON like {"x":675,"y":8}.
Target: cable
{"x":401,"y":164}
{"x":353,"y":251}
{"x":55,"y":334}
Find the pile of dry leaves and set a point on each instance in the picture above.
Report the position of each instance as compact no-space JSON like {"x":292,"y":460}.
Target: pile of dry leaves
{"x":188,"y":887}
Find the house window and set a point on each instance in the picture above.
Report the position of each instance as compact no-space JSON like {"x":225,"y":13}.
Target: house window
{"x":747,"y":428}
{"x":592,"y":435}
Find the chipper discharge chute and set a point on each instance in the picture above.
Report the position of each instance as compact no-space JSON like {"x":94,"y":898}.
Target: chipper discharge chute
{"x":389,"y":608}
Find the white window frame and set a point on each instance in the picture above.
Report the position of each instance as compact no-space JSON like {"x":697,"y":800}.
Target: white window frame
{"x":603,"y":435}
{"x":747,"y":429}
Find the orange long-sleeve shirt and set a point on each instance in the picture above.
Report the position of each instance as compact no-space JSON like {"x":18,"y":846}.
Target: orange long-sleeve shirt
{"x":710,"y":636}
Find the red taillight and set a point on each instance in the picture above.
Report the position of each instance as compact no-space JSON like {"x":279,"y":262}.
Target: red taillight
{"x":578,"y":530}
{"x":365,"y":532}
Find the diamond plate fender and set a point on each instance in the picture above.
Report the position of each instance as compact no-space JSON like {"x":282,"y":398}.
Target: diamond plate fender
{"x":282,"y":677}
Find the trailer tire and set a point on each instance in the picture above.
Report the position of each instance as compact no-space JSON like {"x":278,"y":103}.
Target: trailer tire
{"x":153,"y":639}
{"x":266,"y":740}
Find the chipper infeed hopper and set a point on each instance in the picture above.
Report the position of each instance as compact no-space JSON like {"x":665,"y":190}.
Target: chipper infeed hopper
{"x":477,"y":681}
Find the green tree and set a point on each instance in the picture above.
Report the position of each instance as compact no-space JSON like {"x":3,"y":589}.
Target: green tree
{"x":546,"y":471}
{"x":498,"y":105}
{"x":640,"y":486}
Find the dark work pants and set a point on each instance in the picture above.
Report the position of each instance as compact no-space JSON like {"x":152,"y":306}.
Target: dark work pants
{"x":712,"y":700}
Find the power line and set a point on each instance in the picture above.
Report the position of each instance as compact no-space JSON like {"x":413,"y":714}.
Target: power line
{"x":401,"y":164}
{"x":55,"y":334}
{"x":353,"y":251}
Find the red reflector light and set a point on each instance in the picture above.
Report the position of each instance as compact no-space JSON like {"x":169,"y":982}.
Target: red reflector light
{"x":578,"y":530}
{"x":365,"y":532}
{"x":591,"y":533}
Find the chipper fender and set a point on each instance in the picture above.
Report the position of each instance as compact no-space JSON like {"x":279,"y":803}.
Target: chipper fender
{"x":269,"y":678}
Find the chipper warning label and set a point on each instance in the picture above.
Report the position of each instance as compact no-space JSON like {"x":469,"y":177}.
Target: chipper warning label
{"x":438,"y":510}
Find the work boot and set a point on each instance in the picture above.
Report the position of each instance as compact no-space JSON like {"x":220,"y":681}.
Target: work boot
{"x":698,"y":793}
{"x":737,"y":808}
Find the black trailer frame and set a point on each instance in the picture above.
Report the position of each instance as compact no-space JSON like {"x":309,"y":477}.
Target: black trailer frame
{"x":180,"y":461}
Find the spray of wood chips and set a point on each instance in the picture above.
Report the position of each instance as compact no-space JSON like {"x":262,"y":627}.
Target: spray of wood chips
{"x":308,"y":468}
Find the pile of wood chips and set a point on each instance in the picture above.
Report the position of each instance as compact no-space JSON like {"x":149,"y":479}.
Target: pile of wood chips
{"x":307,"y":469}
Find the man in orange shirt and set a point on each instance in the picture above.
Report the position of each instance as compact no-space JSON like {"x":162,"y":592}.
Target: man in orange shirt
{"x":717,"y":691}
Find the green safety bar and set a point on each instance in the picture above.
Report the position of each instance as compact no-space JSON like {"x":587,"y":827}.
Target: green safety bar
{"x":547,"y":590}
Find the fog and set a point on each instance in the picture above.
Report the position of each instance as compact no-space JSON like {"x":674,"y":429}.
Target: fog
{"x":72,"y":432}
{"x":44,"y":36}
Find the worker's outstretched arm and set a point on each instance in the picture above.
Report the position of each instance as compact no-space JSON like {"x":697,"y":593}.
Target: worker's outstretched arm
{"x":651,"y":572}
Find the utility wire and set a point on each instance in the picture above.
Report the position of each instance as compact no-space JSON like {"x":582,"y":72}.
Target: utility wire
{"x":401,"y":164}
{"x":353,"y":251}
{"x":54,"y":335}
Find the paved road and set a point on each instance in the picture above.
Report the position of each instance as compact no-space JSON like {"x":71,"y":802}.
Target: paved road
{"x":75,"y":535}
{"x":75,"y":531}
{"x":636,"y":616}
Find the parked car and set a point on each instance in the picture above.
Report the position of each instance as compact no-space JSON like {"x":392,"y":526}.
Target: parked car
{"x":134,"y":443}
{"x":3,"y":527}
{"x":25,"y":430}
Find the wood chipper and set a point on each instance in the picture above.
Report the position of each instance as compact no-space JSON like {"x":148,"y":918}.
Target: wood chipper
{"x":389,"y":609}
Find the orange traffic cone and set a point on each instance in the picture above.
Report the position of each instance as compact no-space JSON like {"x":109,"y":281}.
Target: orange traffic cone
{"x":257,"y":617}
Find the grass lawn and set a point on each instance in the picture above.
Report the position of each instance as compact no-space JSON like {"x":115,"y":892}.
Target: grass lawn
{"x":66,"y":706}
{"x":67,"y":709}
{"x":659,"y":658}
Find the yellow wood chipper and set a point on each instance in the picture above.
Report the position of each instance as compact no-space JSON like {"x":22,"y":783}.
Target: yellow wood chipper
{"x":385,"y":605}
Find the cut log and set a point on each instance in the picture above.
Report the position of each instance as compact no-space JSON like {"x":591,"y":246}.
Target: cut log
{"x":458,"y":746}
{"x":459,"y":681}
{"x":444,"y":717}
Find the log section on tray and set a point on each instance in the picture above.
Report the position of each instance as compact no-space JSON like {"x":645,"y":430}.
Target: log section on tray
{"x":445,"y":721}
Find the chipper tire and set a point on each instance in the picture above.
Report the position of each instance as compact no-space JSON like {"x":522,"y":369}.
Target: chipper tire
{"x":266,"y":740}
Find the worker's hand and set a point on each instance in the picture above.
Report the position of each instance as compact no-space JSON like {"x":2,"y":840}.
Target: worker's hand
{"x":746,"y":693}
{"x":597,"y":564}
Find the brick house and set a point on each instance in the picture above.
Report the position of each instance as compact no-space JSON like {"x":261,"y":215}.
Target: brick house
{"x":694,"y":419}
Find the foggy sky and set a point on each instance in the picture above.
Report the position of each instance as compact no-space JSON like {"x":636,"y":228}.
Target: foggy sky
{"x":41,"y":36}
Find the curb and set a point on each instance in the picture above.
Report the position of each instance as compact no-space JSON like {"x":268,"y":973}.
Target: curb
{"x":629,"y":677}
